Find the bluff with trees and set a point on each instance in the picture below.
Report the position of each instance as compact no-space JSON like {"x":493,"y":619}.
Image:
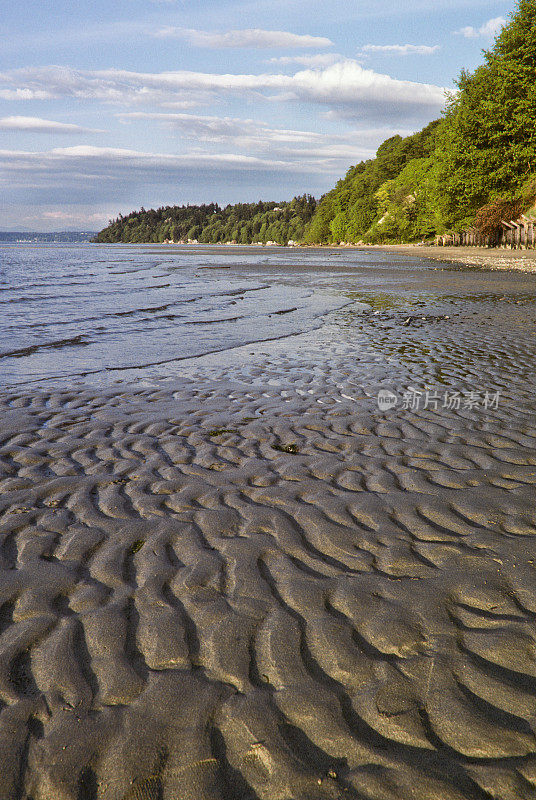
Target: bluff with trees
{"x":474,"y":166}
{"x":243,"y":223}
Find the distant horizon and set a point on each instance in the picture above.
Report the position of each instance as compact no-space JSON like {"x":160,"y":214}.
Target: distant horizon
{"x":64,"y":236}
{"x":63,"y":230}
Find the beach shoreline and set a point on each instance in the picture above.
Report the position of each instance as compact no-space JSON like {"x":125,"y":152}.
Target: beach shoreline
{"x":495,"y":258}
{"x":485,"y":257}
{"x":248,"y":580}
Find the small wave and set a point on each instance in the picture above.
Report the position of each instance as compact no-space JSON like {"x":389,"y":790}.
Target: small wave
{"x":28,"y":351}
{"x":234,"y":292}
{"x":285,"y":310}
{"x":139,"y":310}
{"x":210,"y":321}
{"x":62,"y":281}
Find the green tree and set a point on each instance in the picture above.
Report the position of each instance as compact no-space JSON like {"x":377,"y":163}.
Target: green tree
{"x":487,"y":146}
{"x":349,"y":210}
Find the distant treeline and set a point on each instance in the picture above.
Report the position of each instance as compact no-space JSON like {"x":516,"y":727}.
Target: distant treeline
{"x":56,"y":236}
{"x":243,"y":223}
{"x":473,"y":167}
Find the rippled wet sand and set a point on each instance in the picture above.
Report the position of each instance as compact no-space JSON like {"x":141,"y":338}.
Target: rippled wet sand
{"x":248,"y":582}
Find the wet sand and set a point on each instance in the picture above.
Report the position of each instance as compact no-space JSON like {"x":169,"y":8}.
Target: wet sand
{"x":252,"y":583}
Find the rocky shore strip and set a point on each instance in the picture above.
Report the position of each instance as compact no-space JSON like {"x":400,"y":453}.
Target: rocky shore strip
{"x":486,"y":257}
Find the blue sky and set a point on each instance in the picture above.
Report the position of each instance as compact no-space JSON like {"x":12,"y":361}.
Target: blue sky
{"x":105,"y":107}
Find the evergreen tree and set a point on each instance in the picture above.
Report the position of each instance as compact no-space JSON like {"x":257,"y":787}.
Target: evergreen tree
{"x":488,"y":144}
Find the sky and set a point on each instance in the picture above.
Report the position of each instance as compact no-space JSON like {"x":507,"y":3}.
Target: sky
{"x":108,"y":107}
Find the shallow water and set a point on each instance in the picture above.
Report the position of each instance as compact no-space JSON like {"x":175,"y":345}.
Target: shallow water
{"x":103,"y":313}
{"x":72,"y":311}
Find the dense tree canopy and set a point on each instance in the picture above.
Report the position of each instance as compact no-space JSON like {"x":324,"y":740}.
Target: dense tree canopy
{"x":359,"y":203}
{"x":243,"y":223}
{"x":488,"y":145}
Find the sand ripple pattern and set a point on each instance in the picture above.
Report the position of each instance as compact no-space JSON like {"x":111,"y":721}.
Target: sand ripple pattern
{"x":279,"y":601}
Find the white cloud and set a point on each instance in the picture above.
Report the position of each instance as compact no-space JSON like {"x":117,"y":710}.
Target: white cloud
{"x":122,"y":155}
{"x":218,"y":129}
{"x":24,"y":94}
{"x":252,"y":37}
{"x":488,"y":30}
{"x":111,"y":86}
{"x":347,"y":84}
{"x":85,"y":161}
{"x":352,"y":86}
{"x":65,"y":217}
{"x":52,"y":217}
{"x":317,"y":60}
{"x":401,"y":49}
{"x":258,"y":138}
{"x":38,"y":125}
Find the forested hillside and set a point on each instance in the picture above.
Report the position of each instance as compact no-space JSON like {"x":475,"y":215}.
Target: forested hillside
{"x":243,"y":223}
{"x":383,"y":197}
{"x":473,"y":166}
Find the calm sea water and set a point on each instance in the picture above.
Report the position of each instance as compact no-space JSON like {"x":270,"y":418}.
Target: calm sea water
{"x":97,"y":314}
{"x":72,"y":311}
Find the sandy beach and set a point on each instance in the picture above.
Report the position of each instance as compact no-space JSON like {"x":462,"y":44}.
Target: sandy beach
{"x":488,"y":257}
{"x":249,"y":582}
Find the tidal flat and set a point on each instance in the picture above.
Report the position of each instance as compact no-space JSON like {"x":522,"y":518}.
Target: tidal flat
{"x":226,"y":572}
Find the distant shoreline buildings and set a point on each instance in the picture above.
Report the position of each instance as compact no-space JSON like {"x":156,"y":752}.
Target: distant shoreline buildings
{"x":36,"y":237}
